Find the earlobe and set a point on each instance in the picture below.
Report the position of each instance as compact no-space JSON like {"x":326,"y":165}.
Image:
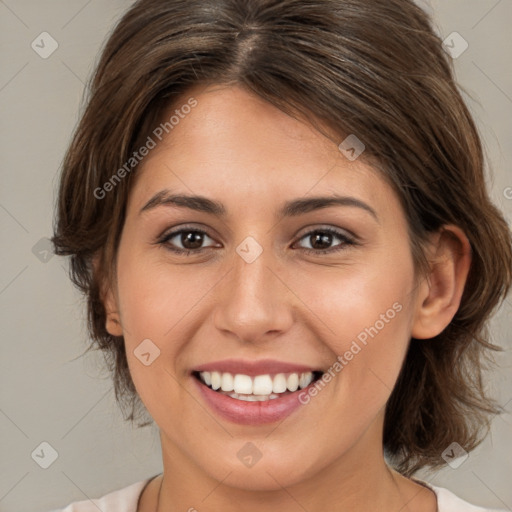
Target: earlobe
{"x":113,"y":320}
{"x":113,"y":324}
{"x":440,"y":293}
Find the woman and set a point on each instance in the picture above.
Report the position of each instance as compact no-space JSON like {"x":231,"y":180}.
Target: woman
{"x":277,"y":211}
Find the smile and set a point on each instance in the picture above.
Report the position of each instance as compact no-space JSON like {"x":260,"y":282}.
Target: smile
{"x":258,"y":388}
{"x":253,"y":399}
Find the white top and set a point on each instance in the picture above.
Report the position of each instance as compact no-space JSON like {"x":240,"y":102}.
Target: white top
{"x":126,"y":500}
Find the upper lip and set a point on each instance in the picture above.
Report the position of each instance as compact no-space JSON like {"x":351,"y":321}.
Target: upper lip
{"x":253,"y":368}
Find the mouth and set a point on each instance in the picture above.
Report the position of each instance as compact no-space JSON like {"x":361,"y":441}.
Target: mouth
{"x":254,"y":392}
{"x":256,"y":388}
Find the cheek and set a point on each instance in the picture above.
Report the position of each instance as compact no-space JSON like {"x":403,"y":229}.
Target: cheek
{"x":155,"y":297}
{"x":160,"y":303}
{"x":363,"y":313}
{"x":150,"y":307}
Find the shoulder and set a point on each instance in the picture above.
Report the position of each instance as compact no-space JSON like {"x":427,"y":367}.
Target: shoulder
{"x":121,"y":500}
{"x":447,"y":501}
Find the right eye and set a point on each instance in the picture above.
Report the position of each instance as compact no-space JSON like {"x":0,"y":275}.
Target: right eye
{"x":190,"y":238}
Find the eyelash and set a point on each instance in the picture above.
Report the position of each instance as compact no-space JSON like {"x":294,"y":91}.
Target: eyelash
{"x":347,"y":241}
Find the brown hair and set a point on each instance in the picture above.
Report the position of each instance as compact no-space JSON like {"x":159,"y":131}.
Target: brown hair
{"x":374,"y":68}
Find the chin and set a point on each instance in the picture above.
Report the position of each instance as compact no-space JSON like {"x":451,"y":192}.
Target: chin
{"x":269,"y":473}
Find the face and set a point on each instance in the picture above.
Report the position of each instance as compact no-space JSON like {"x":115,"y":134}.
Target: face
{"x":315,"y":288}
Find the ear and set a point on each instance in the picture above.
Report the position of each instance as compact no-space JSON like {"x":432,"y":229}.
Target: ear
{"x":439,"y":294}
{"x":109,"y":300}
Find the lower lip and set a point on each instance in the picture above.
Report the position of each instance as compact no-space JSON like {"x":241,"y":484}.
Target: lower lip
{"x":251,"y":413}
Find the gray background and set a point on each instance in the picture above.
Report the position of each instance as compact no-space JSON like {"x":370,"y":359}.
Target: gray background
{"x":48,"y":392}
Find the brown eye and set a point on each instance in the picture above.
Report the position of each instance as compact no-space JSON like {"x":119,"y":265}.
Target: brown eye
{"x":321,"y":239}
{"x":191,"y":240}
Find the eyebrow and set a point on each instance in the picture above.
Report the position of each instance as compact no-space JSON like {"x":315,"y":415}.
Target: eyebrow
{"x":291,"y":208}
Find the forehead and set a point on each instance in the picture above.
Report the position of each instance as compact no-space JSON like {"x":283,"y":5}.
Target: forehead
{"x":234,"y":143}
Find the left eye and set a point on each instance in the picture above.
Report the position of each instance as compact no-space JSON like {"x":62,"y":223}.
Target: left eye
{"x":191,"y":241}
{"x":325,"y":236}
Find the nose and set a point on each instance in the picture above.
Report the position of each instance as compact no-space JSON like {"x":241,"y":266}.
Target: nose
{"x":255,"y":303}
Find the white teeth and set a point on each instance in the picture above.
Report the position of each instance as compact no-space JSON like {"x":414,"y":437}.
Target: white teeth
{"x":292,"y":383}
{"x":262,"y":385}
{"x":305,"y":380}
{"x":279,"y":383}
{"x":253,"y":398}
{"x":242,"y":384}
{"x":207,"y":377}
{"x":216,"y":380}
{"x":227,"y":382}
{"x":252,"y":388}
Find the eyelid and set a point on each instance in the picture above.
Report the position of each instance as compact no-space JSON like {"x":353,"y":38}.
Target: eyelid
{"x":305,"y":231}
{"x":329,"y":228}
{"x":348,"y":239}
{"x":167,"y":235}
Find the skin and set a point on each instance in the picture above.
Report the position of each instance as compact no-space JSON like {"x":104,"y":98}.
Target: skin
{"x":287,"y":305}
